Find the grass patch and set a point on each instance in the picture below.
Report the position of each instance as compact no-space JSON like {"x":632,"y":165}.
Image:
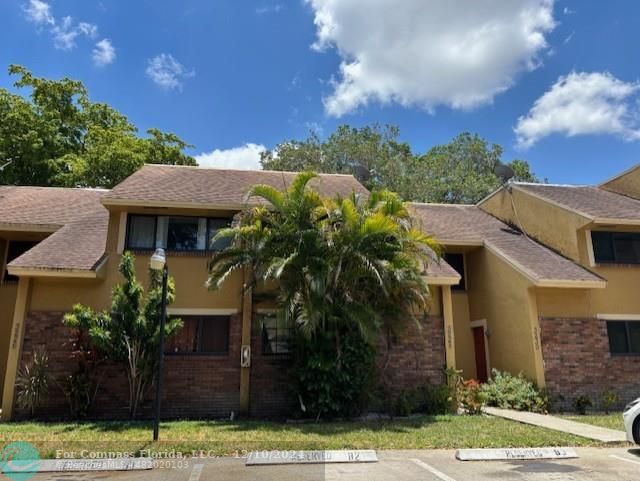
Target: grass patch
{"x":611,"y":421}
{"x":237,"y":437}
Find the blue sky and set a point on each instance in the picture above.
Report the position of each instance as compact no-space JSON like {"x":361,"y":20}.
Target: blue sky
{"x":554,"y":83}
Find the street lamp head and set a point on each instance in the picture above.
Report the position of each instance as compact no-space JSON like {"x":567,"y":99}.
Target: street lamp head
{"x":158,"y":260}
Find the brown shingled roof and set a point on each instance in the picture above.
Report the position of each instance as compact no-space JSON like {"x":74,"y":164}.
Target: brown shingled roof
{"x":592,"y":202}
{"x":78,"y":246}
{"x":469,"y":224}
{"x":163,"y":184}
{"x":46,"y":207}
{"x":76,"y":216}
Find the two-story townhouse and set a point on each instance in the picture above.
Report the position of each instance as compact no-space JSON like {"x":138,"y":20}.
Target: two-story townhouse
{"x":179,"y":209}
{"x":590,"y":337}
{"x":539,"y":279}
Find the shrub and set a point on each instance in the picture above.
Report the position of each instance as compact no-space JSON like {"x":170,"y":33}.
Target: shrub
{"x":608,"y":400}
{"x":580,"y":404}
{"x":33,"y":382}
{"x":406,"y":404}
{"x":507,"y":391}
{"x":329,"y":384}
{"x":470,"y":396}
{"x":81,"y":386}
{"x":438,"y":399}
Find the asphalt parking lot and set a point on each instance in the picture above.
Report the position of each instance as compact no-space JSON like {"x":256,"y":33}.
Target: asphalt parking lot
{"x":610,"y":464}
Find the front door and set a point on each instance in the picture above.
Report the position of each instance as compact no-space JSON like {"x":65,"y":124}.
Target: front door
{"x":481,"y":354}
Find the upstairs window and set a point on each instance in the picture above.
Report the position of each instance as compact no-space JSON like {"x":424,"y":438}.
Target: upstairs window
{"x":616,"y":247}
{"x":175,"y":233}
{"x":457,"y":262}
{"x":624,"y":337}
{"x":14,"y":250}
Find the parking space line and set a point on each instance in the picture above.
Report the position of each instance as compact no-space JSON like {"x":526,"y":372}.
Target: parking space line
{"x":196,"y":472}
{"x":432,"y":470}
{"x":624,"y":459}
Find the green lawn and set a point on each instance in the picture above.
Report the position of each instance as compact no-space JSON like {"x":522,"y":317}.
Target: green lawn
{"x":612,"y":421}
{"x":228,"y":438}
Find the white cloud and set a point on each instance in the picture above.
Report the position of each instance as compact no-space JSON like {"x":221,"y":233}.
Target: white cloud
{"x":104,"y":53}
{"x":246,"y":156}
{"x":413,"y":52}
{"x":39,"y":12}
{"x":275,"y":8}
{"x":581,"y":104}
{"x":167,"y":72}
{"x":66,"y":32}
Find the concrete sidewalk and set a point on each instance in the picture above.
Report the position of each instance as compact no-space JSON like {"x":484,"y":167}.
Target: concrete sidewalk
{"x":589,"y":431}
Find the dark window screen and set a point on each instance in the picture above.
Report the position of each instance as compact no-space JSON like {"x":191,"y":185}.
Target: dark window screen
{"x":201,"y":335}
{"x":624,"y":337}
{"x":15,"y":250}
{"x":457,"y":262}
{"x":616,"y":247}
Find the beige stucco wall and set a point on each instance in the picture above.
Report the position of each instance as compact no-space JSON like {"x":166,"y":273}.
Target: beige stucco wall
{"x":501,"y":295}
{"x":465,"y":353}
{"x":627,"y":184}
{"x":553,"y":226}
{"x":567,"y":232}
{"x":7,"y":302}
{"x":435,"y":301}
{"x":188,"y":270}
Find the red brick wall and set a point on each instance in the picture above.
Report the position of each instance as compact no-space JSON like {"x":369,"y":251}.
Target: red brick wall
{"x":577,"y":362}
{"x":416,"y":356}
{"x":209,"y":386}
{"x":270,"y":392}
{"x":194,"y":386}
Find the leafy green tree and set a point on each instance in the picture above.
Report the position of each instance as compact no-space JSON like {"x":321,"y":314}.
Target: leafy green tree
{"x":344,"y":267}
{"x":59,"y":137}
{"x":462,"y":171}
{"x":372,"y":153}
{"x":129,"y":333}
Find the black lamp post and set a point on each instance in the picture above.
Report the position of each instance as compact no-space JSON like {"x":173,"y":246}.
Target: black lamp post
{"x":159,"y":262}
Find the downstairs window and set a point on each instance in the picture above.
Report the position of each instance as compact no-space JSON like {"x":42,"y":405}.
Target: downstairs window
{"x":624,"y":337}
{"x":276,"y":334}
{"x":207,"y":335}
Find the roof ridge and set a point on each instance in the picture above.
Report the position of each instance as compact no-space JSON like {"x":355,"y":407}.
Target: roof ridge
{"x":552,"y":185}
{"x":51,"y":187}
{"x":442,"y":204}
{"x":198,"y":167}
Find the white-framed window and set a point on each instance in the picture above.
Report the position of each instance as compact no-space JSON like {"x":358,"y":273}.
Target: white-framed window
{"x":175,"y":233}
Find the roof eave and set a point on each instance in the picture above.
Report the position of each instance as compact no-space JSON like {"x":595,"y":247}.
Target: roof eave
{"x":609,"y":221}
{"x":570,"y":283}
{"x":173,"y":205}
{"x":442,"y":280}
{"x":97,"y":272}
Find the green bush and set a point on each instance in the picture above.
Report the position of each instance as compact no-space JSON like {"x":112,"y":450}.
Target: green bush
{"x":581,"y":403}
{"x":427,"y":399}
{"x":438,"y":399}
{"x":507,"y":391}
{"x":608,"y":399}
{"x":328,"y":384}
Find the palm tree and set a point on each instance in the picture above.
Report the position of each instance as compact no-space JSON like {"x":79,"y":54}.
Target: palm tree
{"x":354,"y":262}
